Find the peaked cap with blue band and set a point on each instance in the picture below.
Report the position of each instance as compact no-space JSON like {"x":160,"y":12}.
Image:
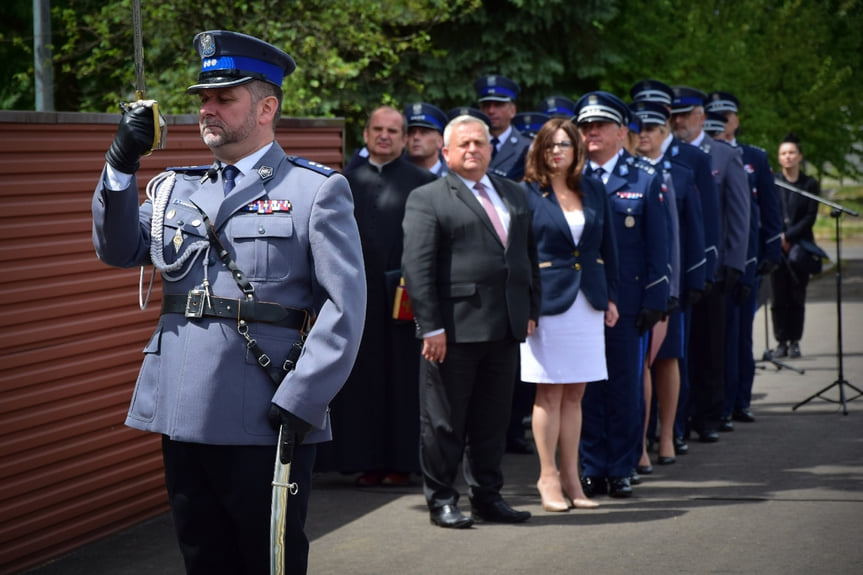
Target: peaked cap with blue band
{"x":651,"y":91}
{"x":493,"y":88}
{"x":529,"y":123}
{"x":559,"y":106}
{"x":426,"y":116}
{"x":601,"y":106}
{"x":650,"y":113}
{"x":686,"y":99}
{"x":467,"y":111}
{"x":231,"y":59}
{"x":721,"y":102}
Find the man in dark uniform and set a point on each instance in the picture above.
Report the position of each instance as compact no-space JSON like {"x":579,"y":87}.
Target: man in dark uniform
{"x":613,"y":414}
{"x":765,"y":255}
{"x":529,"y":123}
{"x":675,"y":150}
{"x":375,"y":415}
{"x":496,"y":96}
{"x":707,"y":339}
{"x":287,"y":225}
{"x":557,"y":107}
{"x":425,"y":136}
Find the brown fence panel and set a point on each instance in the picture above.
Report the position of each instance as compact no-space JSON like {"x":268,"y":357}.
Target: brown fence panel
{"x":71,"y":333}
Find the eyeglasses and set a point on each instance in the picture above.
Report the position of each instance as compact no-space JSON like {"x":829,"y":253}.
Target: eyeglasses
{"x":562,"y":145}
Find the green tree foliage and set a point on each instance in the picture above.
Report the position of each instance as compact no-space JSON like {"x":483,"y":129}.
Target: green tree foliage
{"x":795,"y":65}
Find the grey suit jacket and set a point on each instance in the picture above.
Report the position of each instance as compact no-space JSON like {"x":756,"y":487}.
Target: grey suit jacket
{"x":459,"y":275}
{"x":732,"y":184}
{"x":199,"y":383}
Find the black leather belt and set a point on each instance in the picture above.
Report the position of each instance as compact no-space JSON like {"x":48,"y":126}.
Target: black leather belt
{"x":195,"y":304}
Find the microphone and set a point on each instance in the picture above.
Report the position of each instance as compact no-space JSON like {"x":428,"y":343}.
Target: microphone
{"x":213,"y":171}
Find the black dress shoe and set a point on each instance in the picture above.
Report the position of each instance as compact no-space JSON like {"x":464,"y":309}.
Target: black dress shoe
{"x":743,"y":415}
{"x":519,"y":445}
{"x":725,"y":424}
{"x":635,"y":478}
{"x":498,"y":512}
{"x":644,"y":469}
{"x":680,"y":446}
{"x":594,"y":486}
{"x":666,"y":460}
{"x":450,"y":516}
{"x":619,"y":487}
{"x":708,"y":436}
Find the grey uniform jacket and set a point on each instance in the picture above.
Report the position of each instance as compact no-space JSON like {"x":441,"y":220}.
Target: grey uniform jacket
{"x":732,"y":184}
{"x":199,"y":382}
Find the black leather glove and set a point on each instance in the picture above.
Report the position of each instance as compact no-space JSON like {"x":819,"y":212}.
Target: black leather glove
{"x":766,"y":267}
{"x":295,"y":426}
{"x":693,"y":296}
{"x":134,"y":138}
{"x":741,"y":293}
{"x":730,"y":277}
{"x":646,"y":319}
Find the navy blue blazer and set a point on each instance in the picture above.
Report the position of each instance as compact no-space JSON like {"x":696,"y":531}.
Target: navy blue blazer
{"x":564,"y":267}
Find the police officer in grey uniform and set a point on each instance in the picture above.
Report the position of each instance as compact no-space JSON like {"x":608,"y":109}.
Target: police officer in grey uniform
{"x":249,"y":249}
{"x":497,"y":95}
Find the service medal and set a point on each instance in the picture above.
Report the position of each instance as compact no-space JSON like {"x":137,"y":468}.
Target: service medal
{"x":629,"y":222}
{"x":178,"y":240}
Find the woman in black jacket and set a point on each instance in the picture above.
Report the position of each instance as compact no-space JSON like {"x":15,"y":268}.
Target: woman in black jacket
{"x":788,"y":284}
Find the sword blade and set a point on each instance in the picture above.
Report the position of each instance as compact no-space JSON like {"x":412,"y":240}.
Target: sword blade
{"x":138,"y":35}
{"x":282,"y":488}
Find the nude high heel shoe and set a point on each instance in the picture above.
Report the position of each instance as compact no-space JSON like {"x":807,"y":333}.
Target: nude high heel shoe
{"x":552,"y":497}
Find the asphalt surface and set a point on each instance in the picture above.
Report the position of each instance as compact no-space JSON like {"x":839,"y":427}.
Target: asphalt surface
{"x":782,"y":495}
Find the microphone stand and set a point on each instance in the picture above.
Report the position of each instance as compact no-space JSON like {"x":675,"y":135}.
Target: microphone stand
{"x":835,"y":213}
{"x":768,"y":354}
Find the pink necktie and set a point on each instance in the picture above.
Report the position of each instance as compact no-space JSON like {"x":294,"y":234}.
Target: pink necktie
{"x":492,"y":213}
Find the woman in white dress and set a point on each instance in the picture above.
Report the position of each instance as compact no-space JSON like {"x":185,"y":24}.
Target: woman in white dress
{"x":578,"y":267}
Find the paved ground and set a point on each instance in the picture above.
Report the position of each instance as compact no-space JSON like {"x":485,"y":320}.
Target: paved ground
{"x":783,"y":495}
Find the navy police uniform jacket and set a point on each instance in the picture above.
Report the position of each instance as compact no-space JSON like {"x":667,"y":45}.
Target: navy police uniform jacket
{"x":509,"y":161}
{"x":639,"y":219}
{"x":564,"y":267}
{"x":690,"y":217}
{"x":289,"y":226}
{"x":757,"y":165}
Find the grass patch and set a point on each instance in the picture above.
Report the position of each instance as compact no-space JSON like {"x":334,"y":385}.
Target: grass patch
{"x":850,"y":197}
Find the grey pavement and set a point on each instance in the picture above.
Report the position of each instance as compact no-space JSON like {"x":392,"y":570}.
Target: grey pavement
{"x":782,"y":495}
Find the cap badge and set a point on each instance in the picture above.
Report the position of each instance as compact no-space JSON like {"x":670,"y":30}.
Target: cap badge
{"x":492,"y":80}
{"x":592,"y":100}
{"x":417,"y":108}
{"x":207,"y":46}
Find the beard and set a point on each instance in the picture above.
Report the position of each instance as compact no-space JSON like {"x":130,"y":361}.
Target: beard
{"x":216,"y":133}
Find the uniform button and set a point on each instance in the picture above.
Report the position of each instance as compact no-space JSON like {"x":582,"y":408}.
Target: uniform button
{"x":628,"y":210}
{"x":262,"y":230}
{"x":577,"y":266}
{"x":575,"y":253}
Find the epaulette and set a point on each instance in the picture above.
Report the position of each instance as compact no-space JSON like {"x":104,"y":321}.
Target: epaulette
{"x":190,"y":170}
{"x":645,"y":166}
{"x":310,"y":165}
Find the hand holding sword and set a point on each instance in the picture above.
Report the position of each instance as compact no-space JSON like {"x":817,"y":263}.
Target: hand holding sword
{"x":142,"y":128}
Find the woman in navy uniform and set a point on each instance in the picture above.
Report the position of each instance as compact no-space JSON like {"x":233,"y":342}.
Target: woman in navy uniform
{"x":288,"y":226}
{"x":578,"y":269}
{"x":613,"y":412}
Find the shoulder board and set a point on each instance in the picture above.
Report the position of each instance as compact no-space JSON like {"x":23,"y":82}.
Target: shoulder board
{"x":756,"y":148}
{"x":310,"y":165}
{"x":646,"y":166}
{"x":190,"y":170}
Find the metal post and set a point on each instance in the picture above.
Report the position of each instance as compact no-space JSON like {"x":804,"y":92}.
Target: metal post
{"x":43,"y":67}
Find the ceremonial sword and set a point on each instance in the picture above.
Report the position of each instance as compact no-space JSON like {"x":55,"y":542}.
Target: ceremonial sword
{"x":160,"y":128}
{"x":282,"y":487}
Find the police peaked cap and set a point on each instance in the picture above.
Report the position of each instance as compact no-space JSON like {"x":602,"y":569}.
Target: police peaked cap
{"x":714,"y":122}
{"x":468,"y":111}
{"x":651,"y":91}
{"x":232,"y":59}
{"x":721,"y":102}
{"x":601,"y":107}
{"x":426,"y":116}
{"x":557,"y":106}
{"x":530,"y":122}
{"x":686,"y":99}
{"x":493,"y":88}
{"x":650,"y":112}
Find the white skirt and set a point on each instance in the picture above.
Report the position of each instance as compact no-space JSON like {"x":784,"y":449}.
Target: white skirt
{"x":566,"y":348}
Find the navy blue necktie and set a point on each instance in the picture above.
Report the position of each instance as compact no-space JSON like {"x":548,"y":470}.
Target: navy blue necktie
{"x":494,"y":143}
{"x":229,"y":174}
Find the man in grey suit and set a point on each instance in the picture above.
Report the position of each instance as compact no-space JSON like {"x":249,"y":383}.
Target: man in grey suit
{"x":707,"y":338}
{"x":217,"y":376}
{"x":470,"y":267}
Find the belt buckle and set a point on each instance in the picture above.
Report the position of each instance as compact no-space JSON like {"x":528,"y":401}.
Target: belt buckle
{"x":195,"y":303}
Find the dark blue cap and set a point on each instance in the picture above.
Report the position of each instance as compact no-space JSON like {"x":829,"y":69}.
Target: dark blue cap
{"x":426,"y":116}
{"x":529,"y":123}
{"x":493,"y":88}
{"x":686,"y":99}
{"x":231,"y":59}
{"x":652,"y":91}
{"x":468,"y":111}
{"x":714,"y":122}
{"x":721,"y":102}
{"x":650,"y":112}
{"x":560,"y":106}
{"x":635,"y":124}
{"x":601,"y":107}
